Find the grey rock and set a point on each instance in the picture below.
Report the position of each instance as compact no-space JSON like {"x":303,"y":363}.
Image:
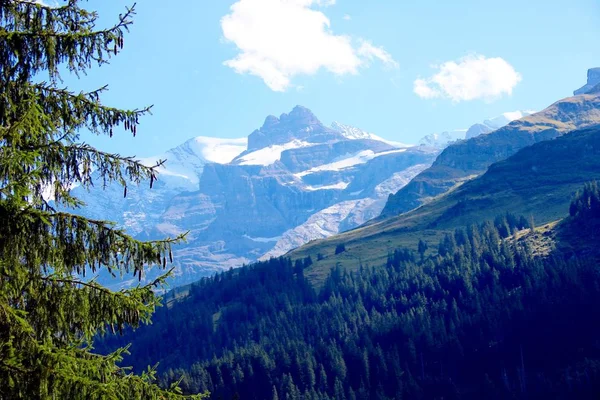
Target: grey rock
{"x":593,"y":79}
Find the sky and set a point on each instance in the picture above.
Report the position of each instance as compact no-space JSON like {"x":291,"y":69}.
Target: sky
{"x":401,"y":69}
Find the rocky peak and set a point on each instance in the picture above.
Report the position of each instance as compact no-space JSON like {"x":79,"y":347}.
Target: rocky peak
{"x":593,"y":80}
{"x":299,"y":124}
{"x":300,"y":116}
{"x":478,"y":129}
{"x":270,"y":122}
{"x":351,"y":132}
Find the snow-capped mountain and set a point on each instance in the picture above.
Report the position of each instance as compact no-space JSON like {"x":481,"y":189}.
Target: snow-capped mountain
{"x":352,"y":132}
{"x":490,"y":125}
{"x":143,"y":206}
{"x":344,"y":215}
{"x":443,"y":139}
{"x":185,"y":162}
{"x":242,"y":199}
{"x":290,"y":181}
{"x":506,"y":118}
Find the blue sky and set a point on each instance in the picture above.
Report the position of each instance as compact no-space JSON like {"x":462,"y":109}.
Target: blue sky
{"x":213,"y":70}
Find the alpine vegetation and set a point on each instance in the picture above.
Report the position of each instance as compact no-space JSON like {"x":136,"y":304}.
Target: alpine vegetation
{"x":50,"y":308}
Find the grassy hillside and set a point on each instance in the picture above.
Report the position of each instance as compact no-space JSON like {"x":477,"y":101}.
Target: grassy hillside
{"x":470,"y":158}
{"x":538,"y":181}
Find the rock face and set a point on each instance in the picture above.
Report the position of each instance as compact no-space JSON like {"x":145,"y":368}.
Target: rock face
{"x":296,"y":180}
{"x":291,"y":181}
{"x":299,"y":124}
{"x":467,"y":159}
{"x":593,"y":80}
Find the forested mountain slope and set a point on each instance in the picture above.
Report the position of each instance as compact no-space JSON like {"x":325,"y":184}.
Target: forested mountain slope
{"x":501,"y":311}
{"x":536,"y":182}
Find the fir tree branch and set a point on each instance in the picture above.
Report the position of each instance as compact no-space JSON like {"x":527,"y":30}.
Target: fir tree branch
{"x":76,"y":46}
{"x":43,"y":6}
{"x":70,"y":111}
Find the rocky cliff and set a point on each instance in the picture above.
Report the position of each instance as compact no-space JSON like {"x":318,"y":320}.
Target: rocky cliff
{"x":593,"y":80}
{"x":296,"y":180}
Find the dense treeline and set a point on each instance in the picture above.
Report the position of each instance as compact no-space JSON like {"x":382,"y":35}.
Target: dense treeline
{"x":585,"y":207}
{"x":484,"y":318}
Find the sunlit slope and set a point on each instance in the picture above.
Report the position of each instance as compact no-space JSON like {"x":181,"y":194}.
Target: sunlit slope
{"x":469,"y":158}
{"x":538,"y":181}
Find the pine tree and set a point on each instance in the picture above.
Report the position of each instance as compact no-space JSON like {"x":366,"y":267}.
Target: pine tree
{"x":49,"y":308}
{"x":422,"y":248}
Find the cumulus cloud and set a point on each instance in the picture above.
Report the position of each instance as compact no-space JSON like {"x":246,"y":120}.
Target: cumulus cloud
{"x":280,"y":39}
{"x":470,"y":78}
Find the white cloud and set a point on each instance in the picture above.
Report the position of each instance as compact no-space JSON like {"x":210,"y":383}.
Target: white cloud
{"x":281,"y":39}
{"x":370,"y":52}
{"x":472,"y":77}
{"x":347,"y":17}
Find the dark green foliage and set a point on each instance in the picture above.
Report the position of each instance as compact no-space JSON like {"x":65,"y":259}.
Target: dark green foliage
{"x":340,"y":248}
{"x":422,"y":248}
{"x":586,"y":204}
{"x":486,"y":319}
{"x":49,"y":314}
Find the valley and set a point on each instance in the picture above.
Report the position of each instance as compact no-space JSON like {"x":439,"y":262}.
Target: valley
{"x":176,"y":224}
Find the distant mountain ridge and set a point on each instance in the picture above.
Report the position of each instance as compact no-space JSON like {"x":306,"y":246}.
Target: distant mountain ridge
{"x":242,"y":199}
{"x":466,"y":159}
{"x":444,"y":139}
{"x":291,"y":181}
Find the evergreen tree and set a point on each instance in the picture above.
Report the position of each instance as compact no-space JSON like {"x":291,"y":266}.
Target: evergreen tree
{"x":422,"y":248}
{"x":49,"y":313}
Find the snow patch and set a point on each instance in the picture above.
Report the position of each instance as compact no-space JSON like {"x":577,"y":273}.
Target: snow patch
{"x":361,"y":157}
{"x":221,"y":151}
{"x":336,"y":186}
{"x":188,"y":160}
{"x":269,"y":155}
{"x":353,"y":133}
{"x":441,"y":140}
{"x":263,"y":240}
{"x":398,"y":180}
{"x":319,"y":226}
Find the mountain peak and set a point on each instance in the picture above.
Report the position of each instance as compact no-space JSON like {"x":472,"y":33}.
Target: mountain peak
{"x":270,"y":121}
{"x":350,"y":132}
{"x":301,"y":112}
{"x":593,"y":79}
{"x":298,"y":124}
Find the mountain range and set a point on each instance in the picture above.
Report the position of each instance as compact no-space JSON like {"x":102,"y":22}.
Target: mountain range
{"x":467,"y":159}
{"x":532,"y":166}
{"x":487,"y":290}
{"x":292,"y":181}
